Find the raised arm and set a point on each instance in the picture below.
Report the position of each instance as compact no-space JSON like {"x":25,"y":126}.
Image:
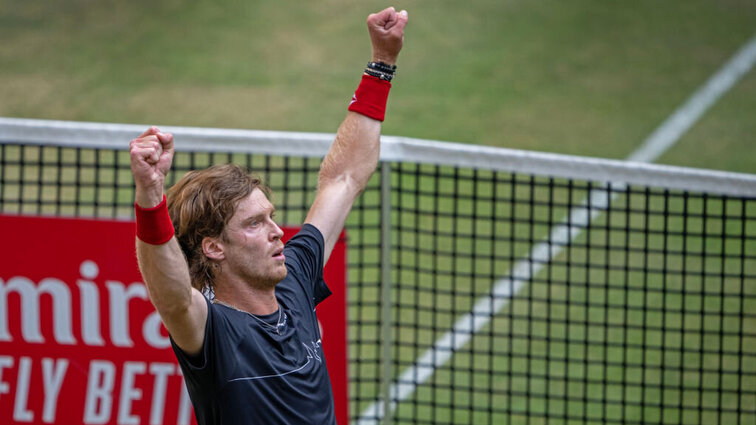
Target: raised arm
{"x":165,"y":272}
{"x":354,"y":154}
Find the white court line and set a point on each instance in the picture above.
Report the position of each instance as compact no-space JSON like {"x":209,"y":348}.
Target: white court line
{"x":665,"y":136}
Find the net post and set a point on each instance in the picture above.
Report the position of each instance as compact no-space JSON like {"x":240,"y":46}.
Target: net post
{"x":386,"y":323}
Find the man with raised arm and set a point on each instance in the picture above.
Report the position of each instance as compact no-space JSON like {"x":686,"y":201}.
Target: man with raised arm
{"x":239,"y":306}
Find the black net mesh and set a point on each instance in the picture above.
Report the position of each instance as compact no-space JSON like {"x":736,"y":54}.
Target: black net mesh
{"x":515,"y":299}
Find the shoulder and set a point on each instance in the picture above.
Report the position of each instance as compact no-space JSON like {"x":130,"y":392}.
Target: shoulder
{"x":305,"y":249}
{"x":305,"y":262}
{"x":307,"y":235}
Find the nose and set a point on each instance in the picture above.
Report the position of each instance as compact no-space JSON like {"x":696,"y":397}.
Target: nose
{"x":276,"y":233}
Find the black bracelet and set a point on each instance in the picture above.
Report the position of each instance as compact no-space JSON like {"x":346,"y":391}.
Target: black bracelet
{"x":382,"y":67}
{"x":379,"y":74}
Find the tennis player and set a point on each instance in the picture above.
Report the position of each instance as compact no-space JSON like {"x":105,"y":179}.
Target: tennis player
{"x":238,"y":304}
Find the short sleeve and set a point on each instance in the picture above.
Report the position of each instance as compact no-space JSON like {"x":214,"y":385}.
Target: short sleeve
{"x":198,"y":370}
{"x":304,"y":258}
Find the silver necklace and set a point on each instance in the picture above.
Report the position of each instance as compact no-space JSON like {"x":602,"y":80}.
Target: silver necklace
{"x":279,"y":323}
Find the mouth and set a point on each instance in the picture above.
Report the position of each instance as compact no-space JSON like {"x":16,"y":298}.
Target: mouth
{"x":278,"y":254}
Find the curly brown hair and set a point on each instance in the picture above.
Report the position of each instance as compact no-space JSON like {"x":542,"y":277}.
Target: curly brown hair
{"x":200,"y":205}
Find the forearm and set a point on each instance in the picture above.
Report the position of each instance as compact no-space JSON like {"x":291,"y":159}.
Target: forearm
{"x":344,"y":174}
{"x":166,"y":276}
{"x":353,"y":155}
{"x":161,"y":262}
{"x":181,"y":307}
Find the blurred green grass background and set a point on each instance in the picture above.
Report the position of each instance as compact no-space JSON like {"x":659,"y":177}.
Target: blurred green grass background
{"x":582,"y":77}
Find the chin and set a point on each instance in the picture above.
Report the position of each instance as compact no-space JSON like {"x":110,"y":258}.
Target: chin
{"x":282,"y":275}
{"x":276,"y":277}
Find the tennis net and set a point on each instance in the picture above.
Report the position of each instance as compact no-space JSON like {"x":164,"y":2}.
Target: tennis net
{"x":486,"y":286}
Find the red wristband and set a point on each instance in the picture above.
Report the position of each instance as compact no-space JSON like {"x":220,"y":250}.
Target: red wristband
{"x":153,"y":225}
{"x":370,"y":97}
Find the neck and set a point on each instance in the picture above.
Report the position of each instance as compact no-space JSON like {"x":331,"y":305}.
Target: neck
{"x":252,"y":300}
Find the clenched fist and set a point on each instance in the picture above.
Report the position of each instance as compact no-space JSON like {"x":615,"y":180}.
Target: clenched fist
{"x":386,"y":30}
{"x":151,"y":157}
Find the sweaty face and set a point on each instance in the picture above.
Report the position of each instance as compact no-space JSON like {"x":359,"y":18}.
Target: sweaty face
{"x":252,"y":244}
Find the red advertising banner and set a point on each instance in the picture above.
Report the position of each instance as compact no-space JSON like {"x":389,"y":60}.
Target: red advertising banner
{"x":80,"y":342}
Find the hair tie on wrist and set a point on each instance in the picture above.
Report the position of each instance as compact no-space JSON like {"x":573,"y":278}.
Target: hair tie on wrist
{"x":371,"y":97}
{"x":153,"y":225}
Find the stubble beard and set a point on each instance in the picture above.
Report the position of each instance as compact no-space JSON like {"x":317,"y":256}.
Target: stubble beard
{"x":270,"y":280}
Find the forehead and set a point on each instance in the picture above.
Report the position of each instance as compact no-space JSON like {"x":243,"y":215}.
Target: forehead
{"x":254,"y":204}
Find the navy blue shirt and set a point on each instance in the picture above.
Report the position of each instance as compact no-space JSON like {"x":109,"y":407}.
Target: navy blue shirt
{"x":250,"y":373}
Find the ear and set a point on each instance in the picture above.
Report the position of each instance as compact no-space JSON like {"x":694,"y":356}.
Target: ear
{"x":213,"y":248}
